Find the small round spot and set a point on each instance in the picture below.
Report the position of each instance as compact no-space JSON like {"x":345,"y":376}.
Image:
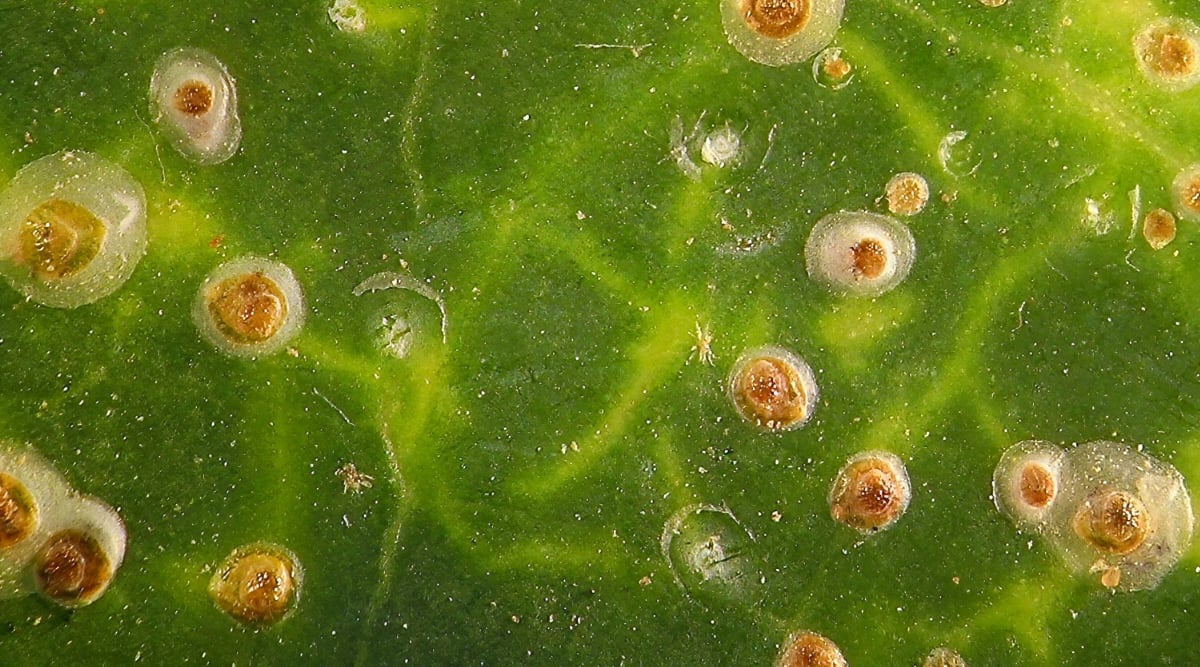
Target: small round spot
{"x":1158,"y":228}
{"x":907,"y":193}
{"x":780,"y":32}
{"x":78,"y":561}
{"x":709,"y":552}
{"x":18,"y":512}
{"x":1186,"y":187}
{"x":250,"y":307}
{"x":871,"y":491}
{"x":1036,"y":485}
{"x":993,"y":3}
{"x":1112,"y":521}
{"x":1168,"y":53}
{"x":868,"y":258}
{"x":1026,"y":482}
{"x":257,"y":584}
{"x":830,"y":69}
{"x":1110,"y":577}
{"x":403,"y":325}
{"x":944,"y":657}
{"x":72,"y":229}
{"x":859,"y":253}
{"x":773,"y":388}
{"x":721,"y":147}
{"x":809,"y":649}
{"x":193,"y":99}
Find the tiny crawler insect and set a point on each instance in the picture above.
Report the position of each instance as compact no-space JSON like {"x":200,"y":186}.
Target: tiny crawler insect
{"x":702,"y":349}
{"x":353,"y":479}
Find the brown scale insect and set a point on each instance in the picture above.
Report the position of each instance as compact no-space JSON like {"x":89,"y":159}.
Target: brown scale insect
{"x":809,"y":649}
{"x":773,"y":388}
{"x":871,"y":491}
{"x":777,"y":19}
{"x":257,"y":584}
{"x":72,"y":568}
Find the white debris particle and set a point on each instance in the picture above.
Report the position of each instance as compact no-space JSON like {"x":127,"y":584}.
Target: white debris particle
{"x":1097,"y":218}
{"x":348,"y":16}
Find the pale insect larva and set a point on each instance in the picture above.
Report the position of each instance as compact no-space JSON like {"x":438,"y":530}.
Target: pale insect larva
{"x":1026,"y":482}
{"x":857,"y":253}
{"x":721,"y":147}
{"x":193,"y":100}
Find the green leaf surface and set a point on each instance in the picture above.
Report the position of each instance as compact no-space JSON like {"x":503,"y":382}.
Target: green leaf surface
{"x":518,"y":159}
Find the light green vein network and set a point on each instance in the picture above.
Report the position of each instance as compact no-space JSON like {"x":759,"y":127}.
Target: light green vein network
{"x":442,"y":564}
